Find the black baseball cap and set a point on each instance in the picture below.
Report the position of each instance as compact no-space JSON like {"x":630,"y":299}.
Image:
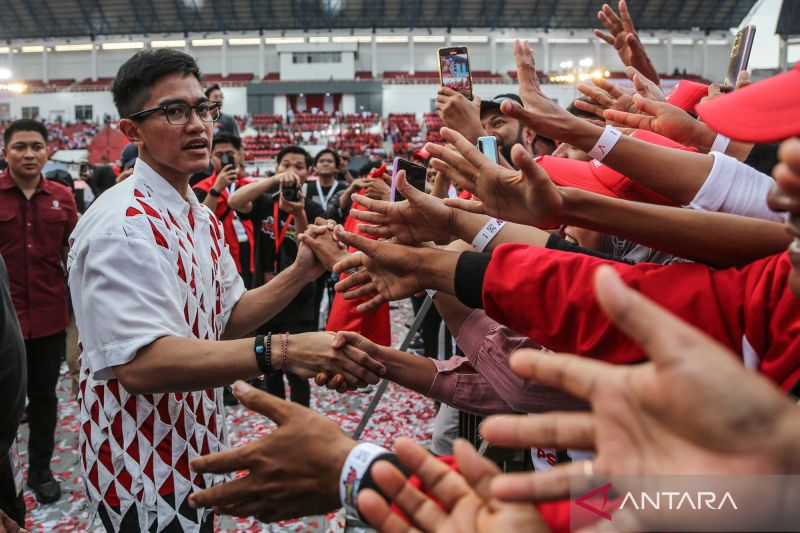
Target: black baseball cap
{"x":494,"y":103}
{"x":129,"y":155}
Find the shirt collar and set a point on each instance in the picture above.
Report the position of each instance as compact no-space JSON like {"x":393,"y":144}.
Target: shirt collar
{"x":6,"y":182}
{"x":164,"y":191}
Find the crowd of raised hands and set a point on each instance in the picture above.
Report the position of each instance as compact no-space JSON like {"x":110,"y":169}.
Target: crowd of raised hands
{"x":684,"y":367}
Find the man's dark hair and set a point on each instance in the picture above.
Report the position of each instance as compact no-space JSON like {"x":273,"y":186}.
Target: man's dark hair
{"x":227,"y":138}
{"x":294,"y":149}
{"x":580,"y":113}
{"x":131,"y":87}
{"x":211,"y":89}
{"x":24,"y":124}
{"x":324,"y":151}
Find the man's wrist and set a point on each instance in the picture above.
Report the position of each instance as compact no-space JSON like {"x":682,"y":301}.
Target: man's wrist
{"x":353,"y":470}
{"x":437,"y":269}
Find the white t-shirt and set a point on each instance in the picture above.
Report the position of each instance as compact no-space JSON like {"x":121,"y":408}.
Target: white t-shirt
{"x":735,"y":188}
{"x":147,"y":263}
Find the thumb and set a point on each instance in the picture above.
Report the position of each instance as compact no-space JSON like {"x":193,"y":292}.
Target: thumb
{"x":646,"y":105}
{"x":477,"y":471}
{"x":530,"y":170}
{"x":518,"y":112}
{"x":368,"y":246}
{"x":268,"y":405}
{"x":406,"y":189}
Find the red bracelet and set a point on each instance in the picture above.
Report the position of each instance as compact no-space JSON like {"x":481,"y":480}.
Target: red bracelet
{"x":284,"y":349}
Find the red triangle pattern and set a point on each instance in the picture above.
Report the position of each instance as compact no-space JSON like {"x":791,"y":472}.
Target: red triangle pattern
{"x":181,"y":270}
{"x":133,"y":449}
{"x":180,"y":425}
{"x":130,"y":407}
{"x":113,"y":387}
{"x":132,"y":212}
{"x":94,"y":477}
{"x":146,"y":429}
{"x":160,"y":240}
{"x":149,"y":210}
{"x":182,"y":464}
{"x":163,"y":409}
{"x":148,"y":469}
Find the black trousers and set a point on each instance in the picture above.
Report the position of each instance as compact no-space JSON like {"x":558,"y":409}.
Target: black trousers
{"x":299,"y":388}
{"x":44,"y":362}
{"x":11,"y":503}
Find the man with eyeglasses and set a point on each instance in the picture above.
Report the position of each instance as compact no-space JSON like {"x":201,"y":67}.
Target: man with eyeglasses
{"x":157,"y":299}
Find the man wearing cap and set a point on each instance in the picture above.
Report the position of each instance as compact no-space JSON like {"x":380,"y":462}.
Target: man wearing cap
{"x":126,"y":161}
{"x":483,"y":117}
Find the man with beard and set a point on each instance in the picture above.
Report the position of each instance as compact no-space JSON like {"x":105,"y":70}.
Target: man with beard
{"x":509,"y":131}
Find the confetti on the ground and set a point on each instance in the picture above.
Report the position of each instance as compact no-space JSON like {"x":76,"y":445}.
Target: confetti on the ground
{"x":400,"y":413}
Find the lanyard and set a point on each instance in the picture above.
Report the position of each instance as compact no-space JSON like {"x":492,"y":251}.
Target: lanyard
{"x":279,"y":235}
{"x":329,"y":196}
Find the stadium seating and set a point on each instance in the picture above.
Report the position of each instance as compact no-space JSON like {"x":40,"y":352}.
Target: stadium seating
{"x":101,"y":84}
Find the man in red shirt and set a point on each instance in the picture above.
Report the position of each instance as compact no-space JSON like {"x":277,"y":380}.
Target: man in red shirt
{"x":214,"y":192}
{"x":36,"y":218}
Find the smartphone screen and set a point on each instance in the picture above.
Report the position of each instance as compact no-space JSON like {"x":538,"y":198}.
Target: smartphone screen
{"x":454,"y":70}
{"x":740,"y":54}
{"x":488,"y":147}
{"x":415,"y":175}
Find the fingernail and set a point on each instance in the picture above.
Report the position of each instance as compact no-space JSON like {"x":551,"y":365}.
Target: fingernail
{"x":241,"y":388}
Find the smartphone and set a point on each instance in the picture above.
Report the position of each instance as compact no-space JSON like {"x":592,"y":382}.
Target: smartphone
{"x":740,"y":54}
{"x":488,"y":147}
{"x":415,"y":175}
{"x":225,"y":160}
{"x":454,"y":71}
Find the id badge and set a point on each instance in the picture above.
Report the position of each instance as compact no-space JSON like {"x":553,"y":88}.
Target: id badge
{"x":16,"y":471}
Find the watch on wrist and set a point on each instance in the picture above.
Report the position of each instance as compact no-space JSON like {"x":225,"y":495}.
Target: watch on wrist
{"x":214,"y":192}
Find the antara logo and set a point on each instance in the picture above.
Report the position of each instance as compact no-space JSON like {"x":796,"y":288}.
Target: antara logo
{"x":675,"y":500}
{"x":666,"y":500}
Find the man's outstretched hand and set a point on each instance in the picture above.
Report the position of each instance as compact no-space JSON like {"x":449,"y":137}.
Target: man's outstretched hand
{"x":388,"y":271}
{"x":625,"y":40}
{"x":292,"y":472}
{"x":462,"y":500}
{"x":526,"y":196}
{"x":417,"y":219}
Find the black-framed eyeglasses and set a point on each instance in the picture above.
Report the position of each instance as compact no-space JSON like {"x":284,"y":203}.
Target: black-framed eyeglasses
{"x":180,"y":113}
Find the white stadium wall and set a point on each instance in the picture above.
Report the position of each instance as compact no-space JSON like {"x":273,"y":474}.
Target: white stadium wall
{"x":695,"y":52}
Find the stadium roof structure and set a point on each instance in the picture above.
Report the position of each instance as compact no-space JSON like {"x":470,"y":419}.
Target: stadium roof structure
{"x":43,"y":19}
{"x":789,"y":19}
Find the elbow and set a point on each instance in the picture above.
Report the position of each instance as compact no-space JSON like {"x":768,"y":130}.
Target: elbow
{"x":131,"y":379}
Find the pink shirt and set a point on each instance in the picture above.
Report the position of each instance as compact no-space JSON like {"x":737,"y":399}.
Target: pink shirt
{"x":482,"y":382}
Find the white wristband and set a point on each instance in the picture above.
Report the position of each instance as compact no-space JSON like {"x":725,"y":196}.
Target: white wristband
{"x":487,"y":233}
{"x":720,"y":143}
{"x":605,"y":143}
{"x":355,"y":467}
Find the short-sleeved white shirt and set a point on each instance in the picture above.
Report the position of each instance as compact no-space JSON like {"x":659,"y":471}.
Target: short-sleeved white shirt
{"x":146,"y":263}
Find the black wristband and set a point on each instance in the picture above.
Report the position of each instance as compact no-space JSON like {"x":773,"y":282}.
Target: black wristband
{"x":264,"y":354}
{"x":214,"y":192}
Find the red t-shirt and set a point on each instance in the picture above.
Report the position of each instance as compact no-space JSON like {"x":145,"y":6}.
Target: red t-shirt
{"x":231,"y":238}
{"x":549,"y":296}
{"x":33,"y":236}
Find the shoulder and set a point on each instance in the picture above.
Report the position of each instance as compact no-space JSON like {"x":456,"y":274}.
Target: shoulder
{"x":122,"y":210}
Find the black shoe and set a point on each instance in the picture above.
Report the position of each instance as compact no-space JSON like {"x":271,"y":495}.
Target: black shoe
{"x":228,"y":398}
{"x":44,"y":485}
